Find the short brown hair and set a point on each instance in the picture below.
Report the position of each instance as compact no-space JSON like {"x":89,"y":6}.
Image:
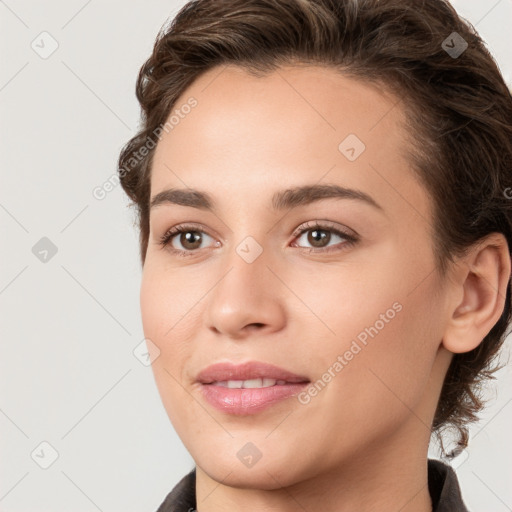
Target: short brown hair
{"x":458,"y":108}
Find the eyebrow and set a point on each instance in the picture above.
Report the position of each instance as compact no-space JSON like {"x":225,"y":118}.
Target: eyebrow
{"x":281,"y":200}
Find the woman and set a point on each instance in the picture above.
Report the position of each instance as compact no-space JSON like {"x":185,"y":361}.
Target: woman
{"x":325,"y":237}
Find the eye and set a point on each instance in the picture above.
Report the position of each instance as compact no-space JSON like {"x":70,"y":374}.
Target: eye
{"x":191,"y":237}
{"x":319,"y":235}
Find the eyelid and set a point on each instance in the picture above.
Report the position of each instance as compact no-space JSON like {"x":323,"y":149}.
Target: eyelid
{"x":325,"y":224}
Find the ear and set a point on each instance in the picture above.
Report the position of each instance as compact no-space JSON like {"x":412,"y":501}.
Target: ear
{"x":482,"y":279}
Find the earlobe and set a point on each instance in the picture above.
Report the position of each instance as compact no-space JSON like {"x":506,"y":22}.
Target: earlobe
{"x":483,"y":276}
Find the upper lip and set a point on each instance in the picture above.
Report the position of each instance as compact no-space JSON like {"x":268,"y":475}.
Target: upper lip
{"x":250,"y":370}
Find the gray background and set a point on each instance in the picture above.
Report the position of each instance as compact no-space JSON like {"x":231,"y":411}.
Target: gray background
{"x":70,"y":325}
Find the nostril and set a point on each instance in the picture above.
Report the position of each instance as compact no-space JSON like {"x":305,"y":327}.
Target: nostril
{"x":254,"y":326}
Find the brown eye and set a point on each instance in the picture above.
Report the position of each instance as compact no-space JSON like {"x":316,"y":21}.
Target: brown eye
{"x":184,"y":240}
{"x":319,"y":237}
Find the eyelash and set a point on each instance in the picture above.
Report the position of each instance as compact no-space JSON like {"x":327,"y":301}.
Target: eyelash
{"x":350,"y":240}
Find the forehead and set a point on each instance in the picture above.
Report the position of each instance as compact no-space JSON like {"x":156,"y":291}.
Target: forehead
{"x":281,"y":109}
{"x":293,"y":126}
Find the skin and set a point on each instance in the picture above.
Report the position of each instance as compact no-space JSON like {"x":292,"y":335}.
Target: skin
{"x":361,"y":443}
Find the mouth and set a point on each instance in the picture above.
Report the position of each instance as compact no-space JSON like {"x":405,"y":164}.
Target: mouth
{"x":248,"y":388}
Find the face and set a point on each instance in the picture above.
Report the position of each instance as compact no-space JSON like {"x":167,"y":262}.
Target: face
{"x":337,"y":287}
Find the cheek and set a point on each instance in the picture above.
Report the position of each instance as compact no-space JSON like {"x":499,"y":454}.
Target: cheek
{"x":167,"y":314}
{"x":377,"y":384}
{"x":382,"y":320}
{"x":169,"y":302}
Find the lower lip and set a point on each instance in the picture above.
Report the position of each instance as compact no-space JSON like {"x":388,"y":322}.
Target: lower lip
{"x":243,"y":401}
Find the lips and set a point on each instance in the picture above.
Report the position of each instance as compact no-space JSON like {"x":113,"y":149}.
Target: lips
{"x":248,"y":373}
{"x":248,"y":388}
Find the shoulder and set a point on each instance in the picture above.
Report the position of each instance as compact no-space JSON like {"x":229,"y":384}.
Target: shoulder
{"x":182,"y":498}
{"x":444,"y":489}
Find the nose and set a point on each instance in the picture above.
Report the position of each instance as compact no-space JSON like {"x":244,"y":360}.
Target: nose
{"x":248,"y":298}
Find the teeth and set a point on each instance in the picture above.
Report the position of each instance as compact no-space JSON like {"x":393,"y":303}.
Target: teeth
{"x":253,"y":383}
{"x":250,"y":383}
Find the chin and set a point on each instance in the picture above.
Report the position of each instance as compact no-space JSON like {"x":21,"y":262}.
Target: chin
{"x":264,"y":476}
